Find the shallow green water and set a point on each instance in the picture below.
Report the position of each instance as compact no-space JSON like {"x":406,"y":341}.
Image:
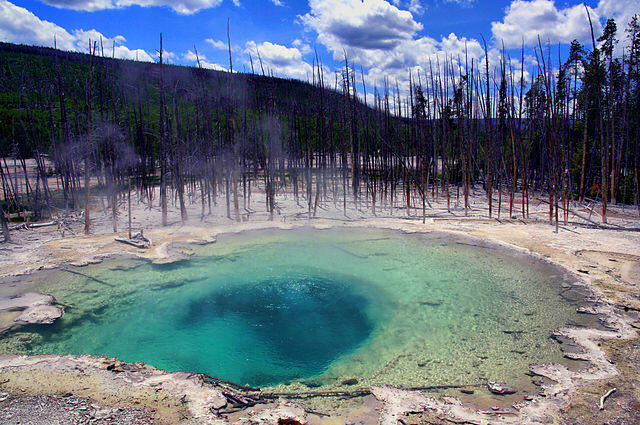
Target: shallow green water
{"x":316,"y":307}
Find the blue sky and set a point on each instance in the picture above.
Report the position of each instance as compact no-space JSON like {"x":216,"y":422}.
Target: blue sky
{"x":384,"y":37}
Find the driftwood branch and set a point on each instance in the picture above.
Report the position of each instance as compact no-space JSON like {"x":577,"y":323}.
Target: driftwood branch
{"x":604,"y":398}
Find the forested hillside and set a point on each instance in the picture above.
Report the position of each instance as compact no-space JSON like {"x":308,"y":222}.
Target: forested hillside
{"x":96,"y":124}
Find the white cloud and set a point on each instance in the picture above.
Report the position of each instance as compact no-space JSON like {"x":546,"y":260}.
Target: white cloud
{"x":414,"y":6}
{"x":277,"y":2}
{"x":18,"y":25}
{"x":620,"y":10}
{"x":421,"y":55}
{"x":192,"y":57}
{"x":526,"y":20}
{"x":384,"y":40}
{"x":222,"y":45}
{"x":356,"y":24}
{"x":184,"y":7}
{"x":167,"y":56}
{"x":214,"y":66}
{"x":280,"y":60}
{"x":218,"y":44}
{"x":302,"y":46}
{"x":123,"y":52}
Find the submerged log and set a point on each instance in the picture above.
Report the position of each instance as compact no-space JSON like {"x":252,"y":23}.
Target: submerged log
{"x":214,"y":380}
{"x":360,"y":392}
{"x":95,"y":279}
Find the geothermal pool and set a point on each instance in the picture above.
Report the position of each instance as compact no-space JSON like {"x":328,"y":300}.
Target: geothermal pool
{"x":315,"y":308}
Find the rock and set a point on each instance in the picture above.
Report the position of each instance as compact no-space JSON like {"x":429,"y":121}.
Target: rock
{"x":27,"y":300}
{"x":280,"y":412}
{"x":500,"y":389}
{"x":352,"y":381}
{"x":35,"y":309}
{"x":40,"y":314}
{"x":205,"y":241}
{"x":467,"y":390}
{"x":575,"y":356}
{"x":587,"y":310}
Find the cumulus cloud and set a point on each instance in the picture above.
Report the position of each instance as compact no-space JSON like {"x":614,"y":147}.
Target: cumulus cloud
{"x":221,"y":45}
{"x":302,"y":46}
{"x":422,"y":55}
{"x":526,"y":20}
{"x":217,"y":44}
{"x":184,"y":7}
{"x":192,"y":57}
{"x":18,"y":25}
{"x":367,"y":24}
{"x":382,"y":38}
{"x":280,"y":60}
{"x":620,"y":10}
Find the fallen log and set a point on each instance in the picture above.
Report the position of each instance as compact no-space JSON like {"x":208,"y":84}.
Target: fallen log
{"x":46,"y":224}
{"x":609,"y":226}
{"x":19,"y":226}
{"x":137,"y":239}
{"x":141,"y":245}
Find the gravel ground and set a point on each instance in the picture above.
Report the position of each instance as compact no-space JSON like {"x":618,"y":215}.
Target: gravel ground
{"x":65,"y":410}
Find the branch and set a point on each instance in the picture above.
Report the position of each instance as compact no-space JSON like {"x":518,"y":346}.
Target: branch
{"x":604,"y":397}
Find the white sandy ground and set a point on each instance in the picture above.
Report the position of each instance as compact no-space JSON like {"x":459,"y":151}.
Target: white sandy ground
{"x":607,"y":262}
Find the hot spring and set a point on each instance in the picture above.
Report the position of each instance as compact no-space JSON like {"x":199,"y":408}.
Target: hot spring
{"x":319,"y":308}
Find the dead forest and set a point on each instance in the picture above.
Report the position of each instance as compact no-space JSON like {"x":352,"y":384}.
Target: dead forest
{"x":90,"y":125}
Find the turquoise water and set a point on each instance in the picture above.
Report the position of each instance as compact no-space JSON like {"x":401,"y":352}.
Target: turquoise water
{"x":309,"y":308}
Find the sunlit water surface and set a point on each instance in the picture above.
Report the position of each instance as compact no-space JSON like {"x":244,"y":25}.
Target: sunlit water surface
{"x":310,"y":308}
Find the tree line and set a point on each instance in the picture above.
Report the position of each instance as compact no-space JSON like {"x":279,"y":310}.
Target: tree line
{"x":92,"y":124}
